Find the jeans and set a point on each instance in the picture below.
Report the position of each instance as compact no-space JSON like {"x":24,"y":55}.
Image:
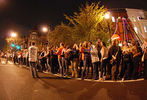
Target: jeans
{"x":80,"y":70}
{"x":85,"y":70}
{"x":103,"y":67}
{"x":63,"y":66}
{"x":95,"y":70}
{"x":61,"y":62}
{"x":33,"y":69}
{"x":43,"y":65}
{"x":135,"y":67}
{"x":125,"y":69}
{"x":67,"y":63}
{"x":74,"y":66}
{"x":115,"y":70}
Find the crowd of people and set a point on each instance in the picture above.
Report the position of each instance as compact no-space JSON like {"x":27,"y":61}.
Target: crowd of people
{"x":89,"y":61}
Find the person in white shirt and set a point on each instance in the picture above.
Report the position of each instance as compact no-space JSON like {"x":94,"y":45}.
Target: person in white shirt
{"x":95,"y":61}
{"x":33,"y":59}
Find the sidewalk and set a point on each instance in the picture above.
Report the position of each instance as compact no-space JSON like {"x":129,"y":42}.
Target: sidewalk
{"x":78,"y":79}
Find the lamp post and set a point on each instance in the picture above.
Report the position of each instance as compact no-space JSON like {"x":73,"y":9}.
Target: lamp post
{"x":13,"y":34}
{"x":107,"y":16}
{"x":46,"y":29}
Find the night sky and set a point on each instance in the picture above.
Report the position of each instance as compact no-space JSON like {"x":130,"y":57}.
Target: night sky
{"x":23,"y":15}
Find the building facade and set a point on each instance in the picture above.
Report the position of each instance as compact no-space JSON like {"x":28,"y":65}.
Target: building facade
{"x":138,"y":18}
{"x":39,"y":39}
{"x":129,"y":23}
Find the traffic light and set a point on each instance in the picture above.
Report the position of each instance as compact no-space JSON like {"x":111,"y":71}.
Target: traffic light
{"x":13,"y":45}
{"x":18,"y":47}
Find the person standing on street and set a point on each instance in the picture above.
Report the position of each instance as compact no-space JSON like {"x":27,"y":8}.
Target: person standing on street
{"x":104,"y":57}
{"x":144,"y":58}
{"x":33,"y":59}
{"x":43,"y":60}
{"x":59,"y":53}
{"x":75,"y":60}
{"x":137,"y":53}
{"x":114,"y":54}
{"x":86,"y":60}
{"x":95,"y":61}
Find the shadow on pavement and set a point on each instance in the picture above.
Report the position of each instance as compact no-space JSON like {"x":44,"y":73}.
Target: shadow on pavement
{"x":59,"y":78}
{"x":84,"y":90}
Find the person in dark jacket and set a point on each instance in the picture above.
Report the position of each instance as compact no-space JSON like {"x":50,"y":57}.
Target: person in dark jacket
{"x":43,"y":60}
{"x":75,"y":61}
{"x":114,"y":54}
{"x":126,"y":62}
{"x":53,"y":60}
{"x":144,"y":58}
{"x":136,"y":51}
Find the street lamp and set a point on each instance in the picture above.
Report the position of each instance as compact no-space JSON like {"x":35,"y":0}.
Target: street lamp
{"x":46,"y":29}
{"x":107,"y":16}
{"x":13,"y":34}
{"x":13,"y":37}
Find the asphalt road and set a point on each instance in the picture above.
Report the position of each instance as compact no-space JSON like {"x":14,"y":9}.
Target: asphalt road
{"x":16,"y":83}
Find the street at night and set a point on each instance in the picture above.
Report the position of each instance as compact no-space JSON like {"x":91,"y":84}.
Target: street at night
{"x":16,"y":83}
{"x":73,"y":50}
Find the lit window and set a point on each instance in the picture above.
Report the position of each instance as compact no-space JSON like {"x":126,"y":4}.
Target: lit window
{"x":135,"y":28}
{"x":145,"y":28}
{"x":113,"y":19}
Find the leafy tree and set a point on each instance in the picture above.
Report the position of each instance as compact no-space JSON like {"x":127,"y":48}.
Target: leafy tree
{"x":61,"y":33}
{"x":89,"y":24}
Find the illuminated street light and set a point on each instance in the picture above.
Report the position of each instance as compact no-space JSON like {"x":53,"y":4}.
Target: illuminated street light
{"x":45,"y":29}
{"x":13,"y":34}
{"x":107,"y":15}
